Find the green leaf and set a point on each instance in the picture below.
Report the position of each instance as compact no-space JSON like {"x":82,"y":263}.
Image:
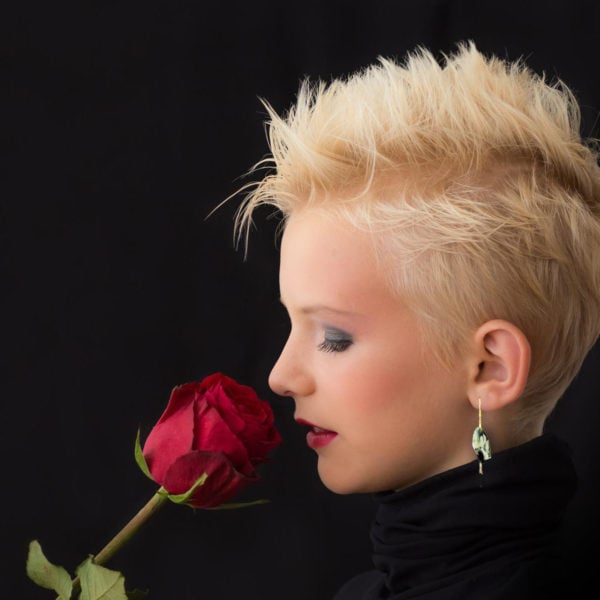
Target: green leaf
{"x":100,"y":583}
{"x":232,"y":505}
{"x":139,"y":457}
{"x":183,"y":498}
{"x":136,"y":595}
{"x":47,"y":575}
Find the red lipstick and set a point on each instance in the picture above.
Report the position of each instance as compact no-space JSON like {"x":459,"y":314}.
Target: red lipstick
{"x":317,"y":437}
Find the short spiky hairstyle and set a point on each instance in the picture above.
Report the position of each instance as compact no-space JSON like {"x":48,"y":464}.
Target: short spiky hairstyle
{"x":482,"y":198}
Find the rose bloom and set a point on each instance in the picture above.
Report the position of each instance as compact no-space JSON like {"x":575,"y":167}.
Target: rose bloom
{"x":215,"y":426}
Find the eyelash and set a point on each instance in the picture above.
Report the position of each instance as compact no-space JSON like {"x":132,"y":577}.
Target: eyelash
{"x":335,"y":345}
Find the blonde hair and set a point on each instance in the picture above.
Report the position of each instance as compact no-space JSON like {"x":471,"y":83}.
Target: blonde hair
{"x":482,"y":199}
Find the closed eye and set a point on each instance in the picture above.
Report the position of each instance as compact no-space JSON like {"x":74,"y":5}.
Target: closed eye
{"x":335,"y":341}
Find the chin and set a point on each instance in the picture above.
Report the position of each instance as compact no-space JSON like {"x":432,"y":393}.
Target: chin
{"x":341,"y":482}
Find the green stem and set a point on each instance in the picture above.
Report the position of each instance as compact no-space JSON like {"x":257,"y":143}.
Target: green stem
{"x":132,"y":527}
{"x":128,"y":531}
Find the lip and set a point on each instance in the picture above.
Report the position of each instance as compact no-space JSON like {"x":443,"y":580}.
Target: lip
{"x":317,"y":437}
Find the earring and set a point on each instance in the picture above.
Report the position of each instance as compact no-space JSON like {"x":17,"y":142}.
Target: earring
{"x":481,"y":442}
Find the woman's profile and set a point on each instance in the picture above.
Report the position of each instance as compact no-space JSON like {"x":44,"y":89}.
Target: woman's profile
{"x":440,"y":265}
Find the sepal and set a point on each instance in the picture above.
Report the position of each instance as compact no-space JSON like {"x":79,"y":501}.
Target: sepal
{"x":234,"y":505}
{"x":183,"y":498}
{"x":139,"y":457}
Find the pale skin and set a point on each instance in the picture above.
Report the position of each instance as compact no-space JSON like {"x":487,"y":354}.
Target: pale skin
{"x":356,"y":364}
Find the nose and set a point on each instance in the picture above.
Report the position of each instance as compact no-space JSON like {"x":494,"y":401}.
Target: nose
{"x":290,"y":375}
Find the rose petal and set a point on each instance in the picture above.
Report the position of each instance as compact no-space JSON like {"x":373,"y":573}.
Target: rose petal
{"x":218,"y":399}
{"x":249,"y":417}
{"x":259,"y":449}
{"x":214,"y":435}
{"x":181,"y":395}
{"x":223,"y":481}
{"x":259,"y":435}
{"x":173,"y":435}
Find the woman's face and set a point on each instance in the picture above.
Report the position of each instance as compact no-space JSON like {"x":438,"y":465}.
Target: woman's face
{"x":383,"y":412}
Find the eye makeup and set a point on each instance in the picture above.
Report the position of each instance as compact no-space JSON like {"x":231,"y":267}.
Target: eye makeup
{"x":335,"y":340}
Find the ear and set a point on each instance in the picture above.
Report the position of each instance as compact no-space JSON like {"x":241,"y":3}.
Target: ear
{"x":502,"y":355}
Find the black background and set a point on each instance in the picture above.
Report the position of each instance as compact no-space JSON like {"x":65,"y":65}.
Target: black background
{"x":123,"y":125}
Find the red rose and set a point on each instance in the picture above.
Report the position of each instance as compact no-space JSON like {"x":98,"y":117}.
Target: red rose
{"x":215,"y":426}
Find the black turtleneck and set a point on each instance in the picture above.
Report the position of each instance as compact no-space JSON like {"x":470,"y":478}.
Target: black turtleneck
{"x":464,"y":536}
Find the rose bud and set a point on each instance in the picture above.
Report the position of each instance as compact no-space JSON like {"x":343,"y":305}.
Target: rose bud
{"x":215,"y":427}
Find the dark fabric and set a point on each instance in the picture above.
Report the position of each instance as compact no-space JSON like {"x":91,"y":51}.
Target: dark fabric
{"x":464,"y":536}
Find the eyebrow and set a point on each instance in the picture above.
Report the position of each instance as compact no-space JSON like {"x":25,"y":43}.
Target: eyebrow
{"x":316,"y":308}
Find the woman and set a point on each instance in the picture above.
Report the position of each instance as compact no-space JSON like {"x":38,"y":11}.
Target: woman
{"x":440,"y":264}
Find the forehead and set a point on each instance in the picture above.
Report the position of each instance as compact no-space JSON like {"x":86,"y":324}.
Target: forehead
{"x":315,"y":239}
{"x":324,"y":259}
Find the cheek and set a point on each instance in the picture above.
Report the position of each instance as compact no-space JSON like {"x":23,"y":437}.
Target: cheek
{"x":376,"y":391}
{"x":395,"y":398}
{"x":389,"y":377}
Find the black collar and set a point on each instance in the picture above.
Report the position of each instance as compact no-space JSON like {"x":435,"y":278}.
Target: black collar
{"x":460,"y":525}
